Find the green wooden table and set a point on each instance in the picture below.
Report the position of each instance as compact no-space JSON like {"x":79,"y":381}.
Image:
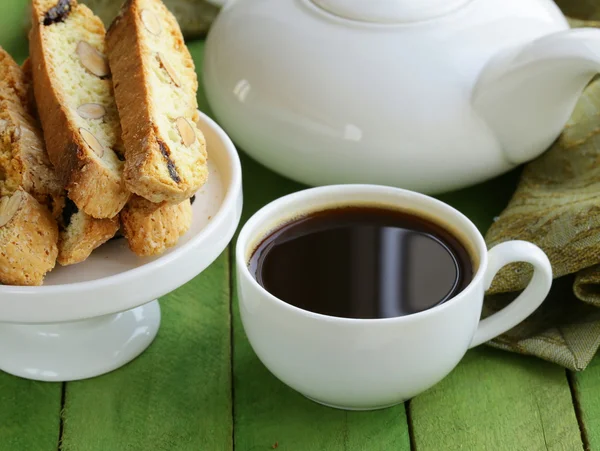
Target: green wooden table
{"x":200,"y":386}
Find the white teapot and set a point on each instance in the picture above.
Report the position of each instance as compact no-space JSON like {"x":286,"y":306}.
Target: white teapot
{"x":428,"y":95}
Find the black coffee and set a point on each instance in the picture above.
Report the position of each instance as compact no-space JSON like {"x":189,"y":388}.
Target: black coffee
{"x":362,"y":262}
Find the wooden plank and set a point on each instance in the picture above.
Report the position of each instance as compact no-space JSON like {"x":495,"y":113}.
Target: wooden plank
{"x":497,"y":401}
{"x":29,"y":414}
{"x":29,"y":411}
{"x":586,"y":389}
{"x":268,"y":414}
{"x":175,"y":396}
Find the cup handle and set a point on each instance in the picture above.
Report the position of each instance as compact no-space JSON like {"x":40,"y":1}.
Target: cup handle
{"x":529,"y":300}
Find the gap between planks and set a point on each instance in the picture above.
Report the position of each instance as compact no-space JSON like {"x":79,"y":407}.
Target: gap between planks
{"x":409,"y":423}
{"x":231,"y":266}
{"x":578,"y":413}
{"x":61,"y":424}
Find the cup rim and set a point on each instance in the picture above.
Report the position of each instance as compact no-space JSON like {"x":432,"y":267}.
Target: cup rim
{"x":271,"y":212}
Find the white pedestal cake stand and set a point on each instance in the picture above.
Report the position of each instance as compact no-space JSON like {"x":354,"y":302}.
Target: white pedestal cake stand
{"x":91,"y":318}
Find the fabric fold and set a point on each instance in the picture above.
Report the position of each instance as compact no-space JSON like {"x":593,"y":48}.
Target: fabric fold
{"x":557,"y":207}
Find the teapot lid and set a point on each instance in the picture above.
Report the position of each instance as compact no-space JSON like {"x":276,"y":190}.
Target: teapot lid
{"x":389,"y":11}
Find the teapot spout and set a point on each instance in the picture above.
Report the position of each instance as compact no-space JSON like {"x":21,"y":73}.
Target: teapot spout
{"x":526,"y":95}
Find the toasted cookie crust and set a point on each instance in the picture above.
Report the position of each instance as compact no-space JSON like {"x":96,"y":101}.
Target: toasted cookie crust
{"x":14,"y":86}
{"x":81,"y":234}
{"x":155,"y":89}
{"x":28,"y":240}
{"x":152,"y":228}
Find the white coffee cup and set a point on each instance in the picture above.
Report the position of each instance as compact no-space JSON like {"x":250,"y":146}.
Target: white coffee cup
{"x":363,"y":364}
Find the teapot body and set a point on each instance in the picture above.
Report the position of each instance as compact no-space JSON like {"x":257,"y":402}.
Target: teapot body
{"x":325,"y":100}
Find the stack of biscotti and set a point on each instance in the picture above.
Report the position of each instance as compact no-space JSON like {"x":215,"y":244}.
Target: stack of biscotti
{"x":81,"y":126}
{"x":26,"y":167}
{"x":97,"y":167}
{"x":162,"y":162}
{"x":100,"y":154}
{"x":28,"y":187}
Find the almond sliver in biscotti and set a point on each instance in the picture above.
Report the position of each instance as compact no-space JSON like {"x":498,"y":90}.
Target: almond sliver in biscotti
{"x":155,"y":89}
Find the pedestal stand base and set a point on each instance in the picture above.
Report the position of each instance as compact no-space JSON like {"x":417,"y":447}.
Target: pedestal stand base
{"x":77,"y":350}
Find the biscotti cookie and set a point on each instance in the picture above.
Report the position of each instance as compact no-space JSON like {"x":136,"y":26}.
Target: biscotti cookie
{"x":152,"y":228}
{"x":28,"y":240}
{"x":23,"y":158}
{"x":81,"y":234}
{"x":155,"y":89}
{"x":76,"y":106}
{"x":14,"y":86}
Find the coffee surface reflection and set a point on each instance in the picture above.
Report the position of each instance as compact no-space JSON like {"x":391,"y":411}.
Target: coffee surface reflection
{"x":362,"y":262}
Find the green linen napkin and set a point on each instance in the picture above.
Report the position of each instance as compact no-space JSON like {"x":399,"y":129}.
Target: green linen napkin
{"x":557,"y":206}
{"x":580,"y":9}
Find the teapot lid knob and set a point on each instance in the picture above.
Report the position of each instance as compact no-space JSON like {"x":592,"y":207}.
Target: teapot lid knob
{"x":389,"y":11}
